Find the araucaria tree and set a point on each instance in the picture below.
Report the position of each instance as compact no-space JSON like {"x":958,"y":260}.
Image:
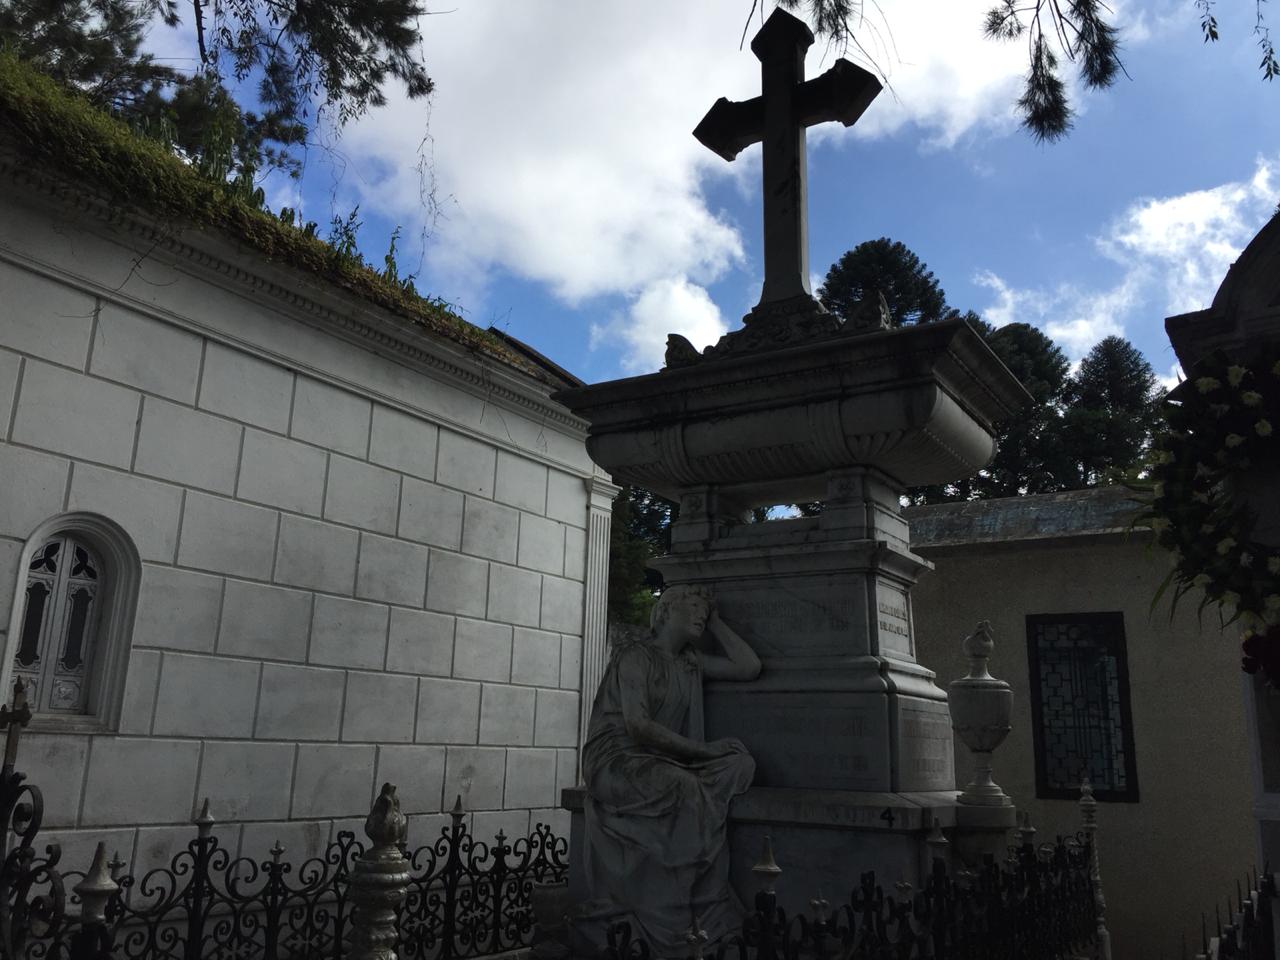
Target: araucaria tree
{"x":885,"y":267}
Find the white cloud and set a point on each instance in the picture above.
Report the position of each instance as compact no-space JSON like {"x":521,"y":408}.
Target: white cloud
{"x":664,"y":306}
{"x":561,"y":134}
{"x":1173,"y":251}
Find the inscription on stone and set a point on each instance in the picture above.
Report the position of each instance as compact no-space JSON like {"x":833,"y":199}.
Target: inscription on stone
{"x":926,"y":753}
{"x":893,"y":619}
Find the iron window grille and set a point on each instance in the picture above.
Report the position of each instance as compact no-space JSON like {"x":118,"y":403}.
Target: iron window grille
{"x":1080,"y":705}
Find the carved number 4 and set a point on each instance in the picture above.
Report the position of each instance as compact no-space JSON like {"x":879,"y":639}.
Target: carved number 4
{"x":887,"y":816}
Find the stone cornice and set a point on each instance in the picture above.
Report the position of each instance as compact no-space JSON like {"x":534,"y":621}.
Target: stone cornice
{"x":216,"y":259}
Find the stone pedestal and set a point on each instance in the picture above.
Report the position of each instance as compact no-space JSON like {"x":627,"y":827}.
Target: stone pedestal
{"x":851,"y":736}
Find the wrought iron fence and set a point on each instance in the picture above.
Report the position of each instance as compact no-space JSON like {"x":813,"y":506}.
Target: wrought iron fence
{"x":1250,"y":930}
{"x":1038,"y":904}
{"x":460,"y":897}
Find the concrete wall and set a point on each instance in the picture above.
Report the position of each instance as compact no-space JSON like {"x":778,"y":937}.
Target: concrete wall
{"x":1165,"y":858}
{"x":360,"y":562}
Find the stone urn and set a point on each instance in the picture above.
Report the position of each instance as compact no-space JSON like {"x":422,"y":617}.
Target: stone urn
{"x":981,"y":707}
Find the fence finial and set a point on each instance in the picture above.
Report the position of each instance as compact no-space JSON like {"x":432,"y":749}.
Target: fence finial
{"x":96,"y":889}
{"x":379,"y":880}
{"x":766,"y":869}
{"x":1089,"y":827}
{"x":205,"y":822}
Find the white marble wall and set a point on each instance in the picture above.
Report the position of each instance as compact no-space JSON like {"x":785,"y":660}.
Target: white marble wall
{"x":353,"y":571}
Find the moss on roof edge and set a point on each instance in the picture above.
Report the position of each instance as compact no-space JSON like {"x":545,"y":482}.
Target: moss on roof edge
{"x":48,"y":123}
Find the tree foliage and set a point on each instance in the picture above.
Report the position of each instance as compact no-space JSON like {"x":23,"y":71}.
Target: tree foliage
{"x":1083,"y":32}
{"x":279,"y":56}
{"x":641,"y":530}
{"x":885,"y":267}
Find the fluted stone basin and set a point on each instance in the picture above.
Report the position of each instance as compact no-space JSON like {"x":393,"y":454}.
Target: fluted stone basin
{"x":917,"y":403}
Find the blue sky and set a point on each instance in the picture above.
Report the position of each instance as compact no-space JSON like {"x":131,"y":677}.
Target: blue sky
{"x":578,"y":213}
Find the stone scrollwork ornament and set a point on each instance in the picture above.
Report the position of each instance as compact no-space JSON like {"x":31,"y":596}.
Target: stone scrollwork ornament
{"x":1220,"y":428}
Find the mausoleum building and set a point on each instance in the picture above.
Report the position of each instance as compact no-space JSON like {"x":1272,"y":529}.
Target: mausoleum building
{"x":270,"y":537}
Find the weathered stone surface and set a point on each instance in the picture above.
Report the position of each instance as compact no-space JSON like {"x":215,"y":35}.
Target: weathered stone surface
{"x":333,"y":780}
{"x":149,"y":511}
{"x":140,"y":692}
{"x":512,"y":823}
{"x":521,"y":483}
{"x":489,"y":530}
{"x":115,"y":794}
{"x":206,"y":696}
{"x":575,"y":553}
{"x":482,"y":650}
{"x":457,"y":584}
{"x":506,"y":715}
{"x":246,"y":781}
{"x":476,"y":774}
{"x":420,"y":642}
{"x":9,"y":364}
{"x":530,"y":778}
{"x":188,"y":447}
{"x":299,"y":703}
{"x":56,"y":764}
{"x":418,"y":773}
{"x":566,"y":498}
{"x":465,"y":464}
{"x":393,"y":571}
{"x":561,"y":605}
{"x":535,"y":658}
{"x":51,"y":408}
{"x":177,"y":609}
{"x":330,"y":417}
{"x":45,"y":318}
{"x":448,"y":711}
{"x":349,"y":633}
{"x":515,"y":595}
{"x":403,"y":442}
{"x":227,"y":537}
{"x":570,"y":661}
{"x":36,"y":484}
{"x":263,"y":621}
{"x":431,"y":514}
{"x":245,"y":388}
{"x":541,"y":544}
{"x":557,"y":723}
{"x":146,"y":354}
{"x":281,"y":473}
{"x":380,"y":708}
{"x":362,"y":495}
{"x":316,"y":555}
{"x":301,"y":839}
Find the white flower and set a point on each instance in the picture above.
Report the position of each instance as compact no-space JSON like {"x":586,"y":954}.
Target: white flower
{"x":1263,"y":427}
{"x":1201,"y":580}
{"x":1235,"y":375}
{"x":1230,"y":598}
{"x":1225,"y":545}
{"x":1205,"y":384}
{"x":1251,"y":398}
{"x":1234,"y":439}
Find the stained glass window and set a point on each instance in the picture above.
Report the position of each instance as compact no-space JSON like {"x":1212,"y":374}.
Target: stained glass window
{"x":59,"y":626}
{"x":1080,"y":705}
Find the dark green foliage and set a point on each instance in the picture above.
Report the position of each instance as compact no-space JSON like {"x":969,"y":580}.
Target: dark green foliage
{"x":888,"y":267}
{"x":1080,"y":30}
{"x":1111,"y":409}
{"x":641,"y":531}
{"x":292,"y":53}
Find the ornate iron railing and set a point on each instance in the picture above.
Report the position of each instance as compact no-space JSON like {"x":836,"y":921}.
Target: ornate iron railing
{"x":1250,"y":929}
{"x":459,"y":897}
{"x":1037,"y":905}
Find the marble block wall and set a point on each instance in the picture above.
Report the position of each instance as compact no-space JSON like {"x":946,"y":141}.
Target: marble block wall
{"x":356,"y":566}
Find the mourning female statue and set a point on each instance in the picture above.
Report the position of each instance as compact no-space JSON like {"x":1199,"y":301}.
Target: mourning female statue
{"x":657,"y":794}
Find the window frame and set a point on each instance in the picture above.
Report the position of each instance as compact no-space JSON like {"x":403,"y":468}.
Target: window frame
{"x":122,"y":576}
{"x":1114,"y":621}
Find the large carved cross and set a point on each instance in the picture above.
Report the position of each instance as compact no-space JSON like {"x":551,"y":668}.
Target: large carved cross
{"x":777,"y":119}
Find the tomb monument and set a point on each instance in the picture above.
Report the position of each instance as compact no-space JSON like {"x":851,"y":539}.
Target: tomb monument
{"x":850,"y":735}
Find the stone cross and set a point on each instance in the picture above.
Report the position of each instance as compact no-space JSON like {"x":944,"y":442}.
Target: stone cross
{"x":777,"y":119}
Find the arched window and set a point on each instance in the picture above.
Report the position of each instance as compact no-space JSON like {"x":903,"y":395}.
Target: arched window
{"x":69,"y":632}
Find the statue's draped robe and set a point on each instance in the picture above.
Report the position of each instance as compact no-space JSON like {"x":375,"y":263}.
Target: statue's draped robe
{"x":655,"y":851}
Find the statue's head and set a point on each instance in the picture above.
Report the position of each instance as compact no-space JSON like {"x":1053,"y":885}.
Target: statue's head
{"x":684,"y":606}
